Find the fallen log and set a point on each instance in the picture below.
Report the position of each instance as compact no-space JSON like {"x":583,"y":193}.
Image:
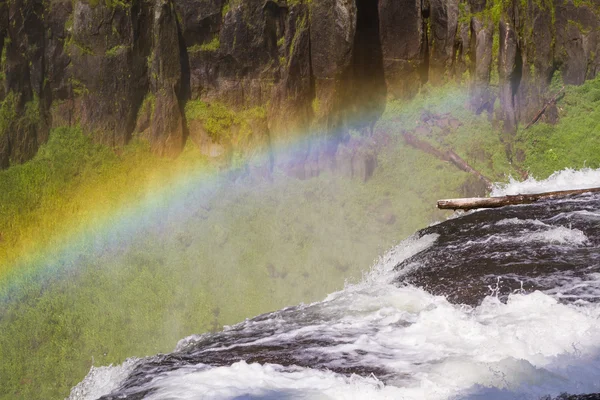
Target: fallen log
{"x":448,"y":156}
{"x":495,"y":202}
{"x":543,"y":110}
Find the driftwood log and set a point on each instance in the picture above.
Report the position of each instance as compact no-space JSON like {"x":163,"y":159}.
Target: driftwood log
{"x":448,"y":156}
{"x":495,"y":202}
{"x":543,"y":110}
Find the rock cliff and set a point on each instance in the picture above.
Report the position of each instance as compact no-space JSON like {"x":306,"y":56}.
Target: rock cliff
{"x":318,"y":67}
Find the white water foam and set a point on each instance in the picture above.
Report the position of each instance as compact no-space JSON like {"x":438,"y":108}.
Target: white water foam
{"x":102,"y":380}
{"x":558,"y":235}
{"x":529,"y":347}
{"x":518,"y":221}
{"x":568,"y":179}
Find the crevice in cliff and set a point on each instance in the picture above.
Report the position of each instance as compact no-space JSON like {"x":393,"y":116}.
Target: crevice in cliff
{"x":185,"y":86}
{"x":425,"y":49}
{"x":185,"y":90}
{"x":274,"y":27}
{"x":367,"y":88}
{"x":517,"y":76}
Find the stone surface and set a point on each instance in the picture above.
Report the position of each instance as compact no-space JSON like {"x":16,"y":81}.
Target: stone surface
{"x":319,"y":68}
{"x":482,"y":40}
{"x":404,"y":46}
{"x":444,"y":29}
{"x":109,"y":51}
{"x":509,"y":71}
{"x":167,"y":134}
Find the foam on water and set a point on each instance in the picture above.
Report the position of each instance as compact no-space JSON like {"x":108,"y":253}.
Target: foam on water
{"x":568,"y":179}
{"x":560,"y":235}
{"x":102,"y":380}
{"x":531,"y":346}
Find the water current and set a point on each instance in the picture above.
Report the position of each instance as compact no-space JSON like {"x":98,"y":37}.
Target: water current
{"x":492,"y":304}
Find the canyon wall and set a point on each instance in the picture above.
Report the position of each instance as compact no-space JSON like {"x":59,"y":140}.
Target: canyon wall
{"x":120,"y":68}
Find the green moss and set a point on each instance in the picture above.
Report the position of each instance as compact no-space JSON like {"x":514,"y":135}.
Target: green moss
{"x":149,"y":103}
{"x":211,"y":46}
{"x":226,"y":8}
{"x":218,"y":120}
{"x":82,"y":48}
{"x":78,"y":87}
{"x":116,"y":50}
{"x":299,"y":28}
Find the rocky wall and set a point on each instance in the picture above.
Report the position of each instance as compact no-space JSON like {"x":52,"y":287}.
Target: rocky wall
{"x":323,"y":68}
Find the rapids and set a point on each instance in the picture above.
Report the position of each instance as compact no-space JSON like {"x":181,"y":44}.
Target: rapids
{"x":493,"y":304}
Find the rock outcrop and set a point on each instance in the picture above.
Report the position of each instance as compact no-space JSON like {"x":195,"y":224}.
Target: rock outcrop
{"x":318,"y":68}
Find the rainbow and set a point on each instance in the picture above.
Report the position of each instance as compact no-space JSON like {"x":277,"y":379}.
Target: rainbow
{"x":112,"y":231}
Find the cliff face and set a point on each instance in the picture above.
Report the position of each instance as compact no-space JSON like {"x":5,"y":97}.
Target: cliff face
{"x":120,"y":67}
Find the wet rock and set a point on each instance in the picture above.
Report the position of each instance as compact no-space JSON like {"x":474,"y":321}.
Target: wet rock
{"x":56,"y":58}
{"x":22,"y":33}
{"x":538,"y":64}
{"x":482,"y":40}
{"x":242,"y":64}
{"x":167,"y":135}
{"x":332,"y":33}
{"x":509,"y":70}
{"x":356,"y":159}
{"x":109,"y":46}
{"x":444,"y":26}
{"x":144,"y":119}
{"x":577,"y":41}
{"x":404,"y":46}
{"x":201,"y":20}
{"x":291,"y":111}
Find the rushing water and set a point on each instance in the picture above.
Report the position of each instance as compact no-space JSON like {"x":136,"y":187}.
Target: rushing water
{"x":495,"y":304}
